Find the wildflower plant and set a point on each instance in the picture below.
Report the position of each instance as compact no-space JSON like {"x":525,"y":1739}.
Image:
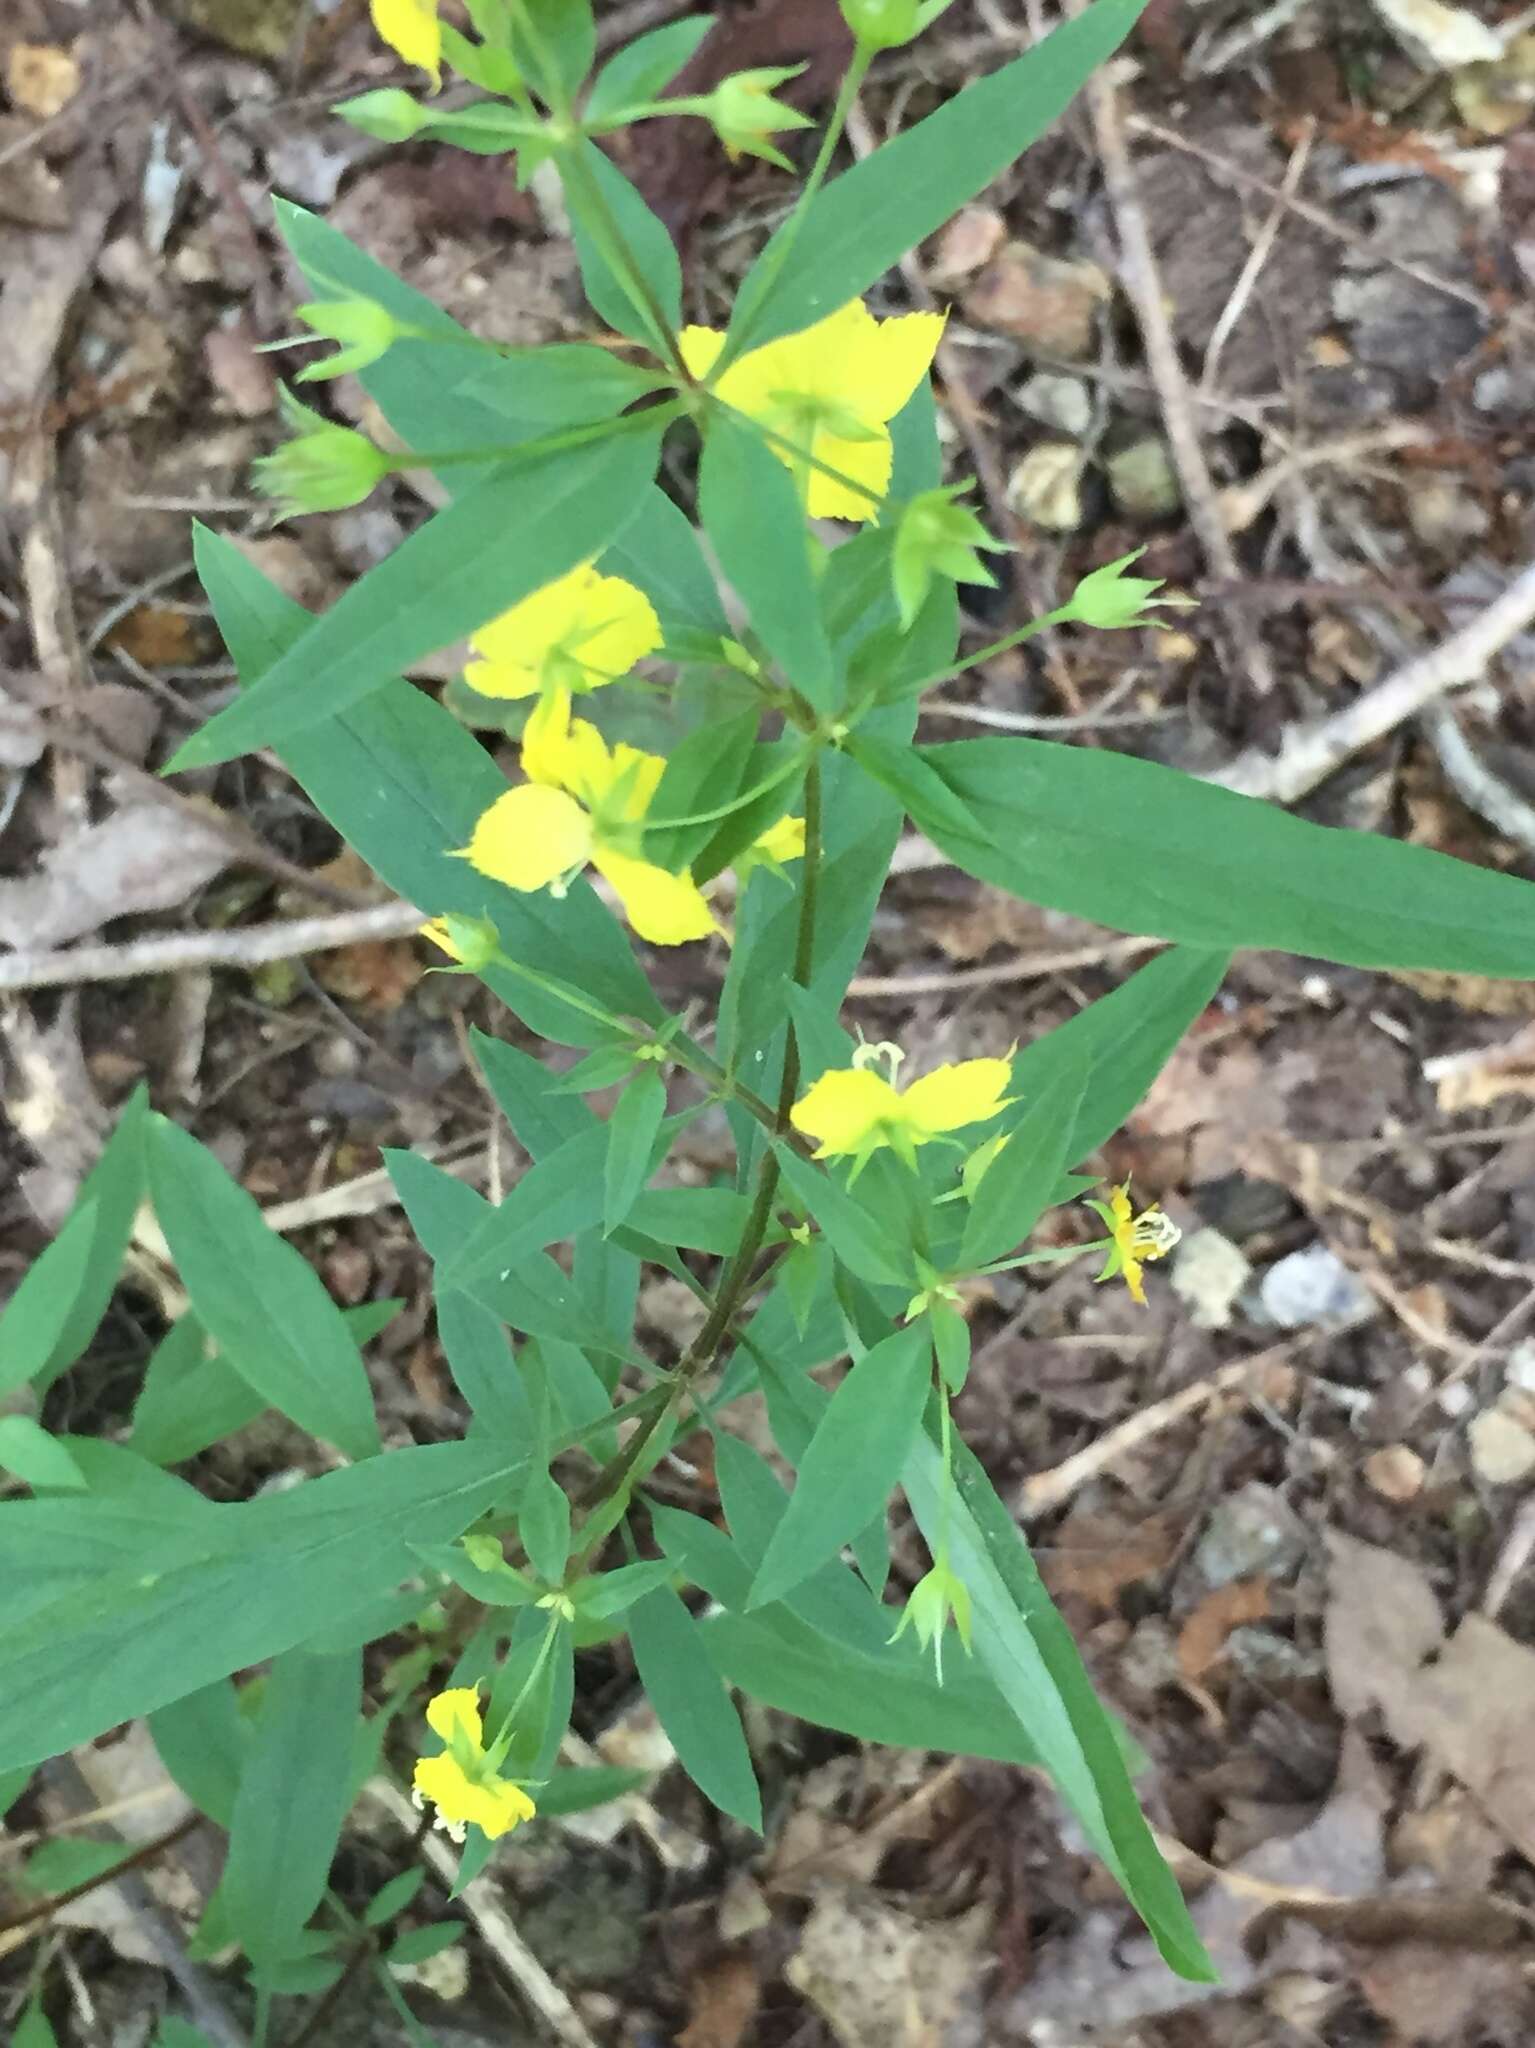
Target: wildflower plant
{"x":418,"y":1609}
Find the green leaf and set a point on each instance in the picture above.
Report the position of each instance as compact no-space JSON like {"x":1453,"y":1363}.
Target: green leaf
{"x":862,"y":224}
{"x":12,"y":1785}
{"x":529,"y":520}
{"x":32,"y":1326}
{"x":852,"y":1462}
{"x":693,"y":1706}
{"x":34,"y":2030}
{"x":1020,"y":1182}
{"x":52,"y":1317}
{"x":262,"y":1301}
{"x":748,"y":508}
{"x":703,"y":771}
{"x":203,"y":1740}
{"x":483,"y":1367}
{"x":649,"y":246}
{"x":860,"y":1239}
{"x":404,"y":783}
{"x":560,"y":385}
{"x":29,"y":1451}
{"x":1028,"y":1650}
{"x":541,"y":1118}
{"x":659,"y":551}
{"x":565,"y":30}
{"x":697,"y":1219}
{"x":291,"y":1801}
{"x":174,"y":2033}
{"x":644,"y":67}
{"x":70,"y":1860}
{"x":207,"y":1590}
{"x":419,"y":1944}
{"x":1146,"y":849}
{"x":580,"y":1788}
{"x":543,"y":1523}
{"x":601,"y":1598}
{"x":631,"y":1139}
{"x":483,"y":128}
{"x":393,"y":1897}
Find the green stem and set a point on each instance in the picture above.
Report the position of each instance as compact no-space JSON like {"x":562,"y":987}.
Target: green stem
{"x":748,"y":796}
{"x":778,"y":253}
{"x":546,"y":444}
{"x":987,"y":653}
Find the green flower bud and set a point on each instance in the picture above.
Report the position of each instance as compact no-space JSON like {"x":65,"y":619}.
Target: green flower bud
{"x":932,"y":1601}
{"x":1110,"y":600}
{"x":325,"y":469}
{"x":745,"y":113}
{"x":389,"y":116}
{"x":937,"y":537}
{"x":472,"y":941}
{"x":889,"y":24}
{"x":362,"y":327}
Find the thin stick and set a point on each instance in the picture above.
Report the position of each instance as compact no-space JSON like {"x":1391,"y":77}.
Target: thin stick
{"x":1310,"y":752}
{"x":1258,"y":256}
{"x":1143,"y":283}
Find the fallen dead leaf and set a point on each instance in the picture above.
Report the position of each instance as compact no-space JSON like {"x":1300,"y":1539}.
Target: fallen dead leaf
{"x":41,"y":78}
{"x":50,"y":1100}
{"x":143,"y":857}
{"x":1096,"y":1556}
{"x":1202,"y":1638}
{"x":724,"y":2001}
{"x":1427,"y":1996}
{"x":1469,"y":1701}
{"x":1472,"y":1079}
{"x":378,"y":972}
{"x":156,"y":637}
{"x":883,"y":1978}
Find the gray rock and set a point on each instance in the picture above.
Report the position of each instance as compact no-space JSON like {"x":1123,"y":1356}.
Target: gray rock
{"x":1208,"y":1274}
{"x":1252,"y":1532}
{"x":1142,"y":480}
{"x":1062,"y":402}
{"x":1313,"y":1286}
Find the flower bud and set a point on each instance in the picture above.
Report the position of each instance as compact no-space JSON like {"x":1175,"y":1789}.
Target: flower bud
{"x":388,"y":116}
{"x":882,"y":24}
{"x":472,"y":941}
{"x":930,"y":1604}
{"x":363,"y":327}
{"x":937,"y":537}
{"x":324,"y":469}
{"x":1110,"y":600}
{"x":745,"y":113}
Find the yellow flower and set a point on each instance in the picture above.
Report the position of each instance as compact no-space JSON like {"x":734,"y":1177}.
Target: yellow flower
{"x":853,"y":1110}
{"x":586,"y":802}
{"x":412,"y":30}
{"x":831,"y":391}
{"x":463,"y":1782}
{"x":770,"y":849}
{"x":577,"y":633}
{"x":1134,"y":1240}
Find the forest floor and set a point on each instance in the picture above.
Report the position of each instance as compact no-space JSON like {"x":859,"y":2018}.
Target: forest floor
{"x":1288,"y":1508}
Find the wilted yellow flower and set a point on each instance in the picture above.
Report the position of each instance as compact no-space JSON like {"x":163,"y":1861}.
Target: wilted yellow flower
{"x":412,"y":31}
{"x":577,"y":633}
{"x":586,"y":802}
{"x":463,"y":1782}
{"x":854,"y":1110}
{"x":831,"y":390}
{"x":1134,"y":1240}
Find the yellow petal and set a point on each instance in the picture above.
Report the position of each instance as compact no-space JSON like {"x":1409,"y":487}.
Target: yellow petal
{"x":618,"y":627}
{"x":864,"y":462}
{"x":666,"y":909}
{"x":528,"y":631}
{"x":783,"y":841}
{"x":546,"y":739}
{"x":457,"y":1708}
{"x":530,"y":837}
{"x":700,"y":348}
{"x":436,"y":929}
{"x":892,"y":362}
{"x":498,"y":1806}
{"x":844,"y":1110}
{"x":501,"y":678}
{"x":952,"y":1096}
{"x":410,"y":28}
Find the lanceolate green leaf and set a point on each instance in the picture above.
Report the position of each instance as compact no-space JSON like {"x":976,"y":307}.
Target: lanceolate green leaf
{"x":291,"y":1801}
{"x":749,"y":509}
{"x":1144,"y":848}
{"x":1029,"y":1652}
{"x":404,"y":783}
{"x":692,"y":1705}
{"x":52,"y":1316}
{"x":260,"y":1299}
{"x":650,"y":247}
{"x":643,"y":67}
{"x":210,"y":1589}
{"x":864,"y":222}
{"x":631,"y":1142}
{"x":527,"y":521}
{"x":852,"y":1462}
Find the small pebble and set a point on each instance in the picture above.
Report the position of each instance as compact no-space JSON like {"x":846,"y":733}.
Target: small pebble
{"x":1502,"y":1450}
{"x":1252,"y":1533}
{"x":1395,"y":1472}
{"x":1313,"y":1286}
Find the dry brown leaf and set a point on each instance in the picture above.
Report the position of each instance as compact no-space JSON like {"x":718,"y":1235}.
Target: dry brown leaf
{"x":143,"y":857}
{"x":378,"y":972}
{"x":156,"y":637}
{"x":1202,"y":1638}
{"x":1095,"y":1557}
{"x":41,"y":78}
{"x":724,"y":2001}
{"x":1382,"y":1620}
{"x":1427,"y":1994}
{"x":882,"y":1978}
{"x":1472,"y":1079}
